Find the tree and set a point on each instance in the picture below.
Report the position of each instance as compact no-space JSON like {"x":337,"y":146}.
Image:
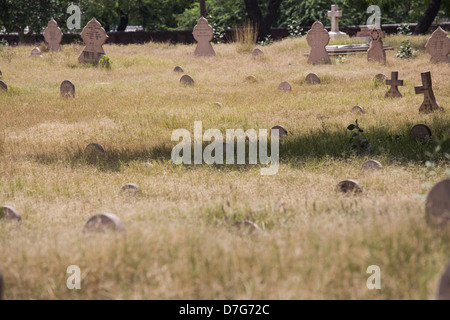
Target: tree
{"x":429,"y":16}
{"x":203,"y":8}
{"x":261,"y":23}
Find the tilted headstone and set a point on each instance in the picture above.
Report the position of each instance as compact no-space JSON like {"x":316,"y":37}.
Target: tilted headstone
{"x":130,"y":189}
{"x":394,"y":83}
{"x":187,"y":80}
{"x":357,"y":109}
{"x":438,"y":46}
{"x":318,"y":38}
{"x":312,"y":78}
{"x":349,"y":186}
{"x":3,"y":86}
{"x":103,"y":222}
{"x":203,"y":34}
{"x":94,"y":36}
{"x":282,"y":132}
{"x":429,"y":103}
{"x":285,"y":86}
{"x":420,"y":132}
{"x":438,"y":204}
{"x":444,"y":285}
{"x":257,"y":53}
{"x":35,"y":53}
{"x":67,"y":89}
{"x":335,"y":14}
{"x":371,"y":165}
{"x":9,"y":213}
{"x":53,"y":35}
{"x":178,"y":69}
{"x":376,"y":52}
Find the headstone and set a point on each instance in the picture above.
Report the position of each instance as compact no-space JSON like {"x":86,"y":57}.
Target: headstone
{"x":187,"y":80}
{"x":438,"y":46}
{"x":203,"y":34}
{"x":312,"y":78}
{"x":1,"y":285}
{"x":334,"y":14}
{"x":349,"y":186}
{"x":247,"y":225}
{"x":93,"y":151}
{"x":394,"y":83}
{"x":67,"y":89}
{"x":218,"y":104}
{"x":318,"y":38}
{"x":103,"y":222}
{"x":444,"y":285}
{"x":94,"y":36}
{"x":282,"y":132}
{"x":381,"y":78}
{"x":420,"y":132}
{"x":53,"y":35}
{"x":285,"y":86}
{"x":438,"y":204}
{"x":9,"y":213}
{"x":371,"y":165}
{"x":251,"y":79}
{"x":363,"y":34}
{"x":178,"y":69}
{"x":35,"y":53}
{"x":429,"y":103}
{"x":257,"y":53}
{"x":3,"y":86}
{"x":376,"y":51}
{"x":357,"y":109}
{"x":130,"y":189}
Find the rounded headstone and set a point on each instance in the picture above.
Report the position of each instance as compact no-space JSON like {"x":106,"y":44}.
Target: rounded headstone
{"x":1,"y":285}
{"x":67,"y":89}
{"x":371,"y":165}
{"x":257,"y":53}
{"x":438,"y":204}
{"x":349,"y":186}
{"x":187,"y":80}
{"x":130,"y":189}
{"x":312,"y":78}
{"x":218,"y":104}
{"x":178,"y":69}
{"x":93,"y":151}
{"x":103,"y":222}
{"x":444,"y":285}
{"x":9,"y":213}
{"x":420,"y":132}
{"x":282,"y":132}
{"x":251,"y":79}
{"x":381,"y":78}
{"x":285,"y":86}
{"x":3,"y":86}
{"x":247,"y":225}
{"x":357,"y":109}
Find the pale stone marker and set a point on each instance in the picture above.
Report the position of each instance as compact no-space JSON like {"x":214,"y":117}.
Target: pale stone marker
{"x":257,"y":53}
{"x":9,"y":213}
{"x":282,"y":132}
{"x":371,"y":165}
{"x":67,"y":89}
{"x":318,"y":38}
{"x":187,"y":80}
{"x":130,"y":189}
{"x":444,"y":285}
{"x":429,"y":103}
{"x":420,"y":132}
{"x":357,"y":109}
{"x":103,"y":222}
{"x":334,"y":14}
{"x":312,"y":78}
{"x":178,"y":69}
{"x":438,"y":204}
{"x":438,"y":46}
{"x":94,"y":36}
{"x":285,"y":86}
{"x":53,"y":35}
{"x":376,"y":51}
{"x":349,"y":186}
{"x":394,"y":83}
{"x":218,"y":104}
{"x":203,"y":34}
{"x":35,"y":53}
{"x":3,"y":86}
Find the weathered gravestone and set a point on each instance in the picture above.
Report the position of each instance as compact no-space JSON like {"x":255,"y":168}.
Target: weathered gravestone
{"x":312,"y":78}
{"x":251,"y":79}
{"x":335,"y":14}
{"x":282,"y":132}
{"x":218,"y":104}
{"x":444,"y":285}
{"x":438,"y":204}
{"x":420,"y":132}
{"x":35,"y":53}
{"x":130,"y":189}
{"x":317,"y":39}
{"x":394,"y":83}
{"x":357,"y":109}
{"x":203,"y":34}
{"x":438,"y":46}
{"x":371,"y":165}
{"x":363,"y":34}
{"x":349,"y":186}
{"x":93,"y":152}
{"x":257,"y":53}
{"x":178,"y":69}
{"x":429,"y":103}
{"x":381,"y":78}
{"x":285,"y":86}
{"x":103,"y":222}
{"x":376,"y":51}
{"x":9,"y":213}
{"x":94,"y":36}
{"x":3,"y":86}
{"x":53,"y":35}
{"x":67,"y":89}
{"x":187,"y":80}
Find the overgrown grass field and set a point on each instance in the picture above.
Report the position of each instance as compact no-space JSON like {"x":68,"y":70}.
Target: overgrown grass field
{"x":181,"y":242}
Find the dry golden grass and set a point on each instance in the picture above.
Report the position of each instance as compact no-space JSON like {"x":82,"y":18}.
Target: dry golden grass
{"x":180,"y":241}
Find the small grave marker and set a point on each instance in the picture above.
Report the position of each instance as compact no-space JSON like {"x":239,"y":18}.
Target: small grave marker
{"x":420,"y":132}
{"x":130,"y":189}
{"x":394,"y":83}
{"x":178,"y":69}
{"x":257,"y":53}
{"x":285,"y":86}
{"x":35,"y":53}
{"x":312,"y":78}
{"x":282,"y":132}
{"x":357,"y":109}
{"x":371,"y":165}
{"x":9,"y":213}
{"x":349,"y":186}
{"x":187,"y":80}
{"x":103,"y":222}
{"x":67,"y":89}
{"x":3,"y":86}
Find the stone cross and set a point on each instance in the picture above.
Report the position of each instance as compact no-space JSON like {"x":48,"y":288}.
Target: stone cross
{"x":334,"y":14}
{"x":94,"y":36}
{"x":429,"y":103}
{"x":376,"y":51}
{"x":203,"y":34}
{"x":53,"y":35}
{"x":318,"y":38}
{"x":438,"y":46}
{"x":394,"y":83}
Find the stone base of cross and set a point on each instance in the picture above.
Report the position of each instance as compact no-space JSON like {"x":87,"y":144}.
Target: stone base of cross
{"x":337,"y":35}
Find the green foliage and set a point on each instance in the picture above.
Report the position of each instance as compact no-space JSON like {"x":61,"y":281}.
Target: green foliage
{"x":340,"y":59}
{"x":294,"y":28}
{"x":267,"y":41}
{"x":358,"y":143}
{"x":404,"y":29}
{"x":406,"y":51}
{"x":105,"y":62}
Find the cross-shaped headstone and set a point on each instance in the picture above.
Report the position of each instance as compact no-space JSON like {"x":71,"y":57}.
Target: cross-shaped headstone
{"x":429,"y":103}
{"x":318,"y":39}
{"x":394,"y":83}
{"x":94,"y":36}
{"x":438,"y":46}
{"x":334,"y":14}
{"x":203,"y":34}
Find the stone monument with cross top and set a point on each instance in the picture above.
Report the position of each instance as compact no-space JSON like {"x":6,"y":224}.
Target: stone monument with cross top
{"x":394,"y":83}
{"x":335,"y":14}
{"x":94,"y":36}
{"x":429,"y":103}
{"x":203,"y":34}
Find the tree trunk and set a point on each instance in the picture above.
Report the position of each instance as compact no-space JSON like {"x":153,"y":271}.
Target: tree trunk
{"x":263,"y":24}
{"x":123,"y":22}
{"x":428,"y":18}
{"x":203,"y":8}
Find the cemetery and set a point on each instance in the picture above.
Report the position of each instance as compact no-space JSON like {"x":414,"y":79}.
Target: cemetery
{"x":87,"y":176}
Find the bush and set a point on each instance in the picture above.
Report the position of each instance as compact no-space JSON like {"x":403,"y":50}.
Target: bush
{"x":105,"y":62}
{"x":406,"y":51}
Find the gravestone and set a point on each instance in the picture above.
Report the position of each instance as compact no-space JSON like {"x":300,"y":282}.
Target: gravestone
{"x":420,"y":132}
{"x":349,"y":186}
{"x":9,"y":213}
{"x":1,"y":285}
{"x":376,"y":51}
{"x":94,"y":36}
{"x":257,"y":53}
{"x":318,"y":38}
{"x":251,"y":79}
{"x":130,"y":189}
{"x":444,"y":285}
{"x":429,"y":103}
{"x":93,"y":152}
{"x":371,"y":165}
{"x":218,"y":104}
{"x":247,"y":225}
{"x":53,"y":35}
{"x":178,"y":69}
{"x":187,"y":80}
{"x":203,"y":34}
{"x":438,"y":46}
{"x":35,"y":53}
{"x":380,"y":78}
{"x":285,"y":86}
{"x":103,"y":222}
{"x":282,"y":132}
{"x":438,"y":204}
{"x":312,"y":78}
{"x":3,"y":86}
{"x":357,"y":109}
{"x":67,"y":89}
{"x":394,"y":83}
{"x":363,"y":34}
{"x":335,"y":14}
